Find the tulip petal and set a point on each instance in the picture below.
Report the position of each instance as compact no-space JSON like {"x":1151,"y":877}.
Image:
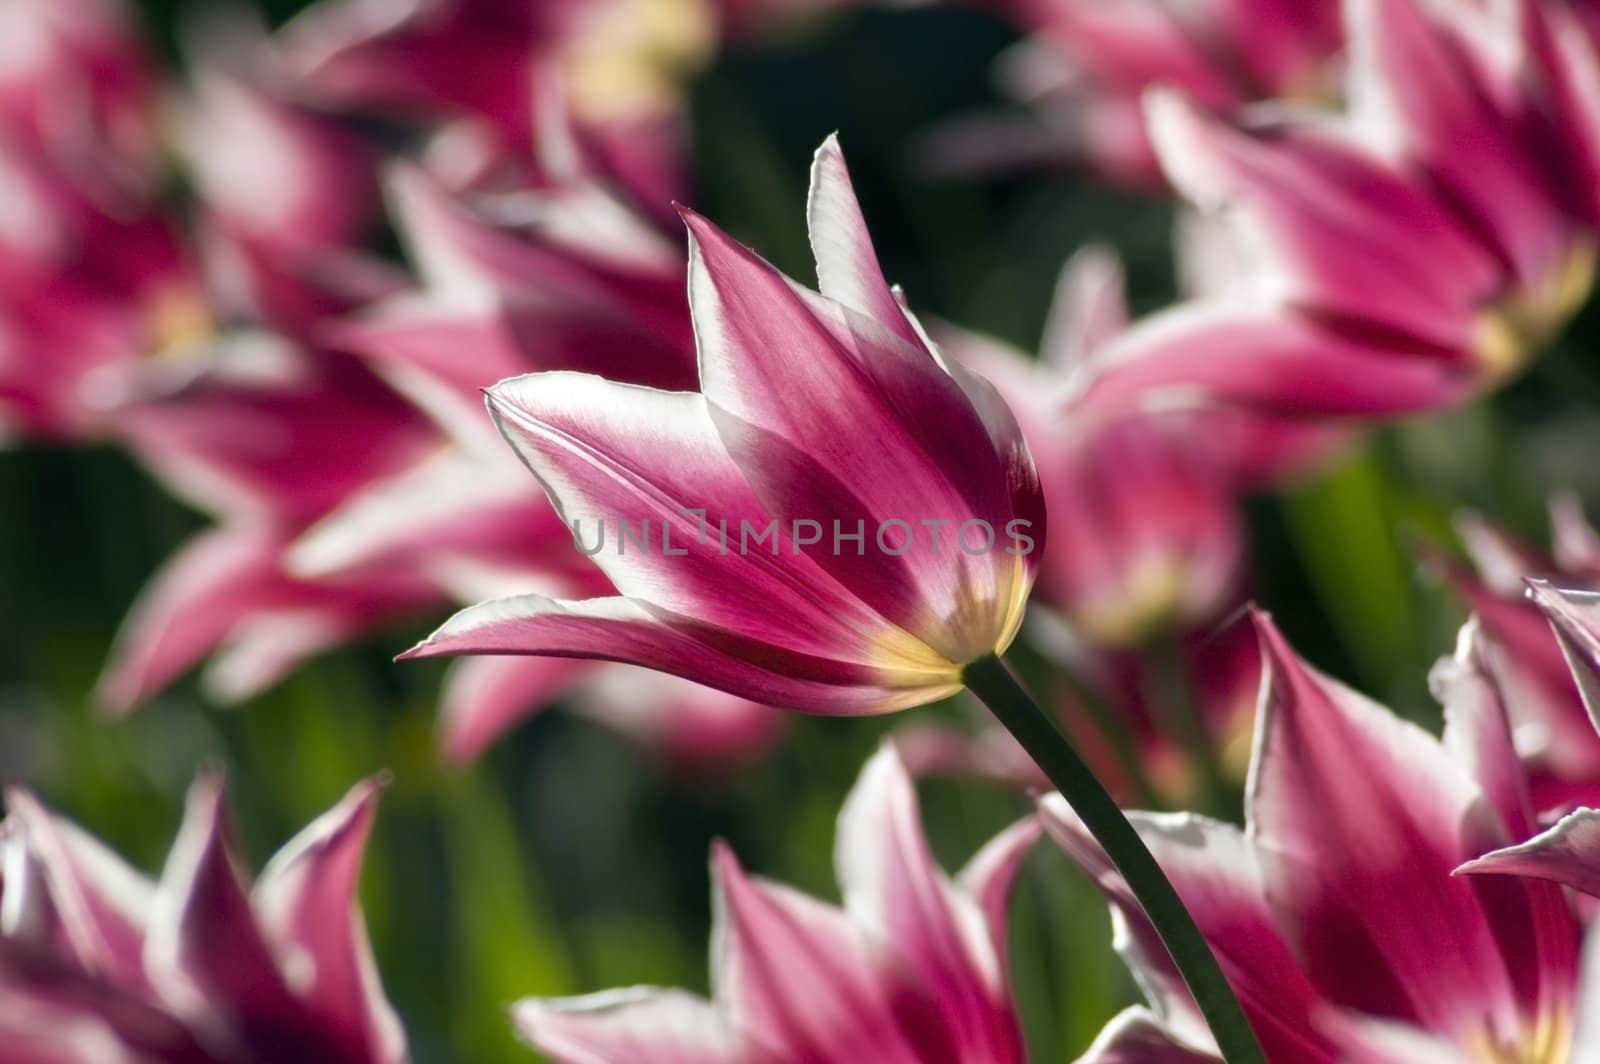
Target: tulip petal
{"x":1568,"y":853}
{"x":644,"y":460}
{"x":1217,"y":873}
{"x":1137,"y":1036}
{"x":626,"y":630}
{"x":1360,"y":876}
{"x":1574,"y":616}
{"x":638,"y":1025}
{"x":306,"y":904}
{"x":99,"y":899}
{"x":797,"y":385}
{"x":894,"y":889}
{"x":205,"y":953}
{"x":796,"y":973}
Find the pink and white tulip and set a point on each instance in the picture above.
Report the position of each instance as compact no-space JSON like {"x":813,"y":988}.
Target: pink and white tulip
{"x":101,"y":965}
{"x":1335,"y":913}
{"x":827,"y":408}
{"x":913,"y":968}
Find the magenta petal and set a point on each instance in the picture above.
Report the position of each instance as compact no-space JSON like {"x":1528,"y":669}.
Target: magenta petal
{"x":485,"y":697}
{"x":1360,"y":877}
{"x":795,"y":973}
{"x":1137,"y":1036}
{"x":847,"y":266}
{"x":205,"y":954}
{"x":307,"y":906}
{"x":1574,"y":616}
{"x":625,"y":630}
{"x":1218,"y":875}
{"x":99,"y":901}
{"x":894,"y":890}
{"x":639,"y":1025}
{"x":1568,"y":853}
{"x":1277,"y":362}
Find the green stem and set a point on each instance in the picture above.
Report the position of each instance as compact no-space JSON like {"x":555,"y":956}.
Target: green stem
{"x":992,"y":681}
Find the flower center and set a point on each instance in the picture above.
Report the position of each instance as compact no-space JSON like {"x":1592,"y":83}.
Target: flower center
{"x":631,"y":56}
{"x":1548,"y":1042}
{"x":1512,"y":331}
{"x":178,"y":322}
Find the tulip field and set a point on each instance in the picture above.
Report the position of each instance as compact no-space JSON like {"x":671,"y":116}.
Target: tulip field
{"x":799,"y":531}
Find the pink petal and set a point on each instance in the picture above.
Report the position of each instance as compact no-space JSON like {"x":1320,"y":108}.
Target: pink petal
{"x":1568,"y":853}
{"x":307,"y":908}
{"x":1089,"y":307}
{"x":1137,"y":1036}
{"x":625,"y":456}
{"x":205,"y":954}
{"x":795,"y":974}
{"x":1218,"y":874}
{"x":852,"y":423}
{"x":1360,"y":877}
{"x":639,"y":1025}
{"x":625,"y":630}
{"x":100,"y":901}
{"x":1574,"y":616}
{"x":896,"y":892}
{"x":1280,"y":363}
{"x":1344,"y":233}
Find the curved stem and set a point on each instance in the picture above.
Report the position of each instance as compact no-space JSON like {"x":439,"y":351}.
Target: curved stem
{"x":992,"y":681}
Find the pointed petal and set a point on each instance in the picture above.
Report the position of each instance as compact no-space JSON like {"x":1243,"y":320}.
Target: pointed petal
{"x":1574,"y":540}
{"x":895,"y":891}
{"x":1360,"y":877}
{"x":307,"y":908}
{"x":1090,"y":306}
{"x":1568,"y":853}
{"x":100,"y":901}
{"x":638,"y":1025}
{"x":829,"y":413}
{"x":625,"y":630}
{"x":847,"y":266}
{"x":1574,"y":616}
{"x":205,"y":954}
{"x":991,"y":873}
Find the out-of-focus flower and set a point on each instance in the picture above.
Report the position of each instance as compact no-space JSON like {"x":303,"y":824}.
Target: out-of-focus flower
{"x":267,"y":437}
{"x":618,"y":64}
{"x":99,"y":965}
{"x":76,"y":86}
{"x":821,"y":417}
{"x":912,"y":969}
{"x":1388,"y":274}
{"x":1552,"y":730}
{"x":1086,"y":64}
{"x":1335,"y":913}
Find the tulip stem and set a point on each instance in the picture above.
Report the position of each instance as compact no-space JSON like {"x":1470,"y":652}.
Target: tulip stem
{"x":992,"y":681}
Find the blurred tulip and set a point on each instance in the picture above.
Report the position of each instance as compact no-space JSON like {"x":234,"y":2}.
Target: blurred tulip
{"x":1387,"y":275}
{"x":1552,"y":730}
{"x":99,"y":965}
{"x":773,"y":441}
{"x":1085,"y":65}
{"x":1335,"y":912}
{"x":77,"y":87}
{"x":911,"y":969}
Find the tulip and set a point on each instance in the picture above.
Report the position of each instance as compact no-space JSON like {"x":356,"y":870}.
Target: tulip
{"x":1084,"y":66}
{"x":1335,"y":913}
{"x":100,"y":964}
{"x":831,"y":430}
{"x":912,"y":968}
{"x":1344,"y":314}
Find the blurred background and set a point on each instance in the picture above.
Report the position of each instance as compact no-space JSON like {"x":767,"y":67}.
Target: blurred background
{"x":570,"y":860}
